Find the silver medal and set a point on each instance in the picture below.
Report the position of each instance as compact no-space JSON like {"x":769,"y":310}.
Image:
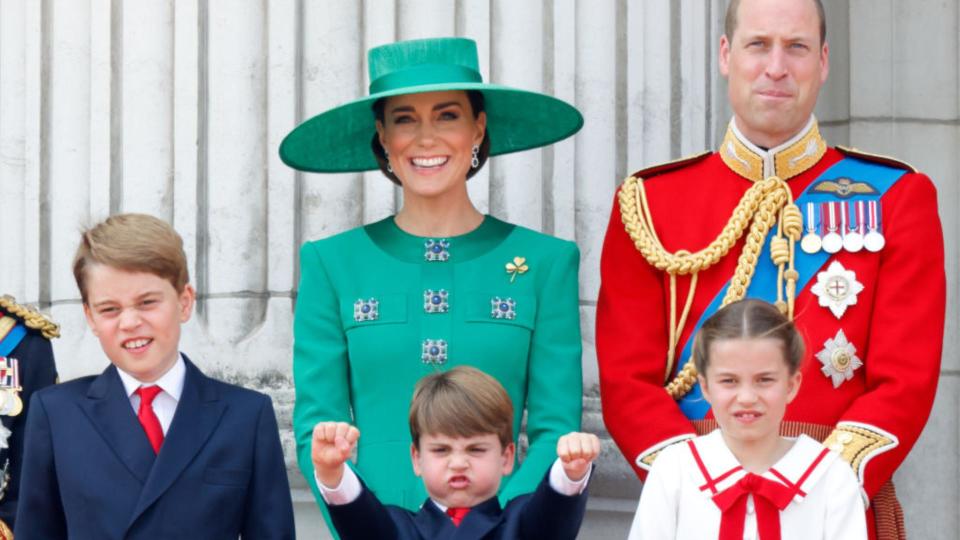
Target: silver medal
{"x":853,"y":241}
{"x":874,"y":240}
{"x":832,"y":241}
{"x":810,"y":243}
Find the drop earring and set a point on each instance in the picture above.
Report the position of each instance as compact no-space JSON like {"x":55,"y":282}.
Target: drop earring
{"x":474,"y":156}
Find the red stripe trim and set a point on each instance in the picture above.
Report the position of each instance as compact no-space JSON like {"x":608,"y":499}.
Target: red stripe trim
{"x":703,"y":469}
{"x":787,"y":482}
{"x":711,"y":482}
{"x":806,"y":474}
{"x":727,"y":474}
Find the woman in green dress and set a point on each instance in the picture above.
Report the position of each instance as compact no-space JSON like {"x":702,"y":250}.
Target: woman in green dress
{"x":439,"y":284}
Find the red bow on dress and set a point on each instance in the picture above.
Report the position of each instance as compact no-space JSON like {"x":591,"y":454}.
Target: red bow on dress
{"x":769,"y":498}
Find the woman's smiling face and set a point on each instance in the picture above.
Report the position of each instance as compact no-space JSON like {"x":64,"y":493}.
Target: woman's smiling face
{"x":429,"y":138}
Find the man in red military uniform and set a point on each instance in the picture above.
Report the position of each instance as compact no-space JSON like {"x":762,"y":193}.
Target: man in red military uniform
{"x":848,"y":244}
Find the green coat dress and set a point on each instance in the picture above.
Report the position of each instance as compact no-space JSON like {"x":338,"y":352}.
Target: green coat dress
{"x":378,"y":309}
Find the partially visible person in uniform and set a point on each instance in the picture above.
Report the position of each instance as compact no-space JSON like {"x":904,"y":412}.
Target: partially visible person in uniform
{"x":847,"y":244}
{"x":26,"y":365}
{"x":439,"y":284}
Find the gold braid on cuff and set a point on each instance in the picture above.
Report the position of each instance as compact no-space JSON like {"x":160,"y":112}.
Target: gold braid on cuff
{"x":31,"y":317}
{"x":764,"y":204}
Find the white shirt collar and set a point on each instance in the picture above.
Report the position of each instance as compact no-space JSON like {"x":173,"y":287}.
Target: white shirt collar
{"x":170,"y":382}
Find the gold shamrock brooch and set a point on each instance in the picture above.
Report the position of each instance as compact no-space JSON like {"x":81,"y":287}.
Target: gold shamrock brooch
{"x":518,"y":266}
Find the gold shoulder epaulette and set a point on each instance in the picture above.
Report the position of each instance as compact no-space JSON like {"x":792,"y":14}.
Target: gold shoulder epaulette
{"x":670,"y":165}
{"x":32,"y":318}
{"x":876,"y":158}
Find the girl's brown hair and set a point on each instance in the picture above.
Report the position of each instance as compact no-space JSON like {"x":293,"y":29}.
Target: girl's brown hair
{"x":748,"y":319}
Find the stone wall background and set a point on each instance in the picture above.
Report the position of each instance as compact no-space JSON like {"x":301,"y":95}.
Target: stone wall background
{"x":177,"y":109}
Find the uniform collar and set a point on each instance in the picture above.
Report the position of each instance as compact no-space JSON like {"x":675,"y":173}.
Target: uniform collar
{"x":410,"y":248}
{"x":785,"y":161}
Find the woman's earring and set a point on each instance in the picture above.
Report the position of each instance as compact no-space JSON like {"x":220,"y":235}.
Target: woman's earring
{"x":475,"y":158}
{"x":387,"y":155}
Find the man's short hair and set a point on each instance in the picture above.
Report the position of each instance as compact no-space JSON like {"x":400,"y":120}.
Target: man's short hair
{"x":730,"y":22}
{"x":461,"y":402}
{"x":133,"y":243}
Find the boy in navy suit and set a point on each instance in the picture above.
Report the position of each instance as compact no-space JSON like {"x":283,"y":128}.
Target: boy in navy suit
{"x":151,"y":448}
{"x":461,"y":422}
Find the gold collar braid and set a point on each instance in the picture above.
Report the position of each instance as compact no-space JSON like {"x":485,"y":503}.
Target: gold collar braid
{"x":786,"y":161}
{"x":31,"y":317}
{"x":763,"y":204}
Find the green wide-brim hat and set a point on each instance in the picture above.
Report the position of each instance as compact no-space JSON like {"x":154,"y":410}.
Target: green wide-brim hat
{"x":338,"y":140}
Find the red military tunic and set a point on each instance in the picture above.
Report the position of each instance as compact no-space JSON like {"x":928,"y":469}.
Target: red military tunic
{"x":896,"y":325}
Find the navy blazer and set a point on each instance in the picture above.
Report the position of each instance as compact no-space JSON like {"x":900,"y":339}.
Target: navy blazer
{"x":544,"y":514}
{"x":90,"y":473}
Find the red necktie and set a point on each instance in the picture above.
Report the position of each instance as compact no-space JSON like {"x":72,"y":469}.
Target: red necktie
{"x":769,"y":498}
{"x":149,"y":421}
{"x":457,"y":515}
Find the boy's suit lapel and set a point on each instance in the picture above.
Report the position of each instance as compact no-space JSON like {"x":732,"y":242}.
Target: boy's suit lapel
{"x":482,"y":519}
{"x":108,"y":408}
{"x":197,"y":415}
{"x":431,"y":522}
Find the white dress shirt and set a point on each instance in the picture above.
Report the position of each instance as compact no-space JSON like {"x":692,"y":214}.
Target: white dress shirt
{"x":349,"y":488}
{"x":171,"y":386}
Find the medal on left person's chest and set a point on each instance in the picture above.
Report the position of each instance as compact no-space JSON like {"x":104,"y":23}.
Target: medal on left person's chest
{"x":10,"y":402}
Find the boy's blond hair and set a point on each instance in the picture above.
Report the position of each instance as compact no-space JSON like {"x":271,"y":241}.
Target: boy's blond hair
{"x":134,"y":243}
{"x":462,"y":402}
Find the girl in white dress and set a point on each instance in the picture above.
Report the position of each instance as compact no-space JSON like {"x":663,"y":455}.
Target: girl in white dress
{"x":743,"y":480}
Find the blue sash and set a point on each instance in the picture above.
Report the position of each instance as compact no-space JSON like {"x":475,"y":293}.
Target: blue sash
{"x":763,"y":286}
{"x":12,"y":339}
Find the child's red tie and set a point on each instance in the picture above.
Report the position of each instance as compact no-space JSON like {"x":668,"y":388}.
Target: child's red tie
{"x":149,"y":421}
{"x":457,"y":514}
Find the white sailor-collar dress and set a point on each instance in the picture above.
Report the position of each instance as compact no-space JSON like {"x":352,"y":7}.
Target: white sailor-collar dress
{"x":698,"y":490}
